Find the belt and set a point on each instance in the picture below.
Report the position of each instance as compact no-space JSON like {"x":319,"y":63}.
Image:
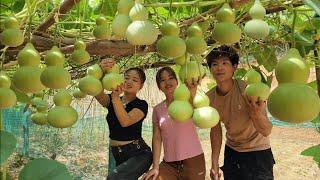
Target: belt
{"x":178,"y":165}
{"x":136,"y":144}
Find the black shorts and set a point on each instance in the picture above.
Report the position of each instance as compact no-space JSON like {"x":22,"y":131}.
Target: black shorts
{"x":255,"y":165}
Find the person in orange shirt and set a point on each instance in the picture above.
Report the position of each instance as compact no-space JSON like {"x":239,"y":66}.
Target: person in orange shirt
{"x":247,"y":153}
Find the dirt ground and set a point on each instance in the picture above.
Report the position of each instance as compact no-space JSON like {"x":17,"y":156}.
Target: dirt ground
{"x":287,"y":143}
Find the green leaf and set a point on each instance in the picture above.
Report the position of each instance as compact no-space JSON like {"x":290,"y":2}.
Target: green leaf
{"x":239,"y":73}
{"x":211,"y":85}
{"x":316,"y":120}
{"x":313,"y":151}
{"x":316,"y":22}
{"x":8,"y":177}
{"x":313,"y":85}
{"x":317,"y":159}
{"x":18,"y":6}
{"x":314,"y":4}
{"x":176,"y":68}
{"x":266,"y":57}
{"x":269,"y":80}
{"x":22,"y":97}
{"x":304,"y":38}
{"x":94,"y":3}
{"x":7,"y":145}
{"x":47,"y":169}
{"x":108,"y":7}
{"x":6,"y":2}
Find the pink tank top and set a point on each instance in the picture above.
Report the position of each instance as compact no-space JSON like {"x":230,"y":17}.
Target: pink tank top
{"x":180,"y":140}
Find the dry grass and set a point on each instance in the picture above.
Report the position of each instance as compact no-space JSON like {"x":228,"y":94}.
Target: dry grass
{"x":287,"y":143}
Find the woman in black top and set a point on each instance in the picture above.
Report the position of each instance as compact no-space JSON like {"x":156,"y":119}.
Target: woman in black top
{"x":125,"y":115}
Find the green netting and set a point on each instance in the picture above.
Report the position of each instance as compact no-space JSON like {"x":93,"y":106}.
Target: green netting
{"x":15,"y":121}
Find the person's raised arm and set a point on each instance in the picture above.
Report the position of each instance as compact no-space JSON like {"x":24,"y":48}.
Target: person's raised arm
{"x":258,"y":116}
{"x":126,"y":118}
{"x":105,"y":65}
{"x":103,"y":99}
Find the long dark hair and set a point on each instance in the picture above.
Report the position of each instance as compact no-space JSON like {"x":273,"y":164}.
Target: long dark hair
{"x":169,"y":70}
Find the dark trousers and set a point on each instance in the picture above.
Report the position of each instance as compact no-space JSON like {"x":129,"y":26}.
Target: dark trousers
{"x":255,"y":165}
{"x":132,"y":160}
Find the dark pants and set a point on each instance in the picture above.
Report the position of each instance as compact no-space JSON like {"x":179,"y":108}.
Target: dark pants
{"x":132,"y":160}
{"x":255,"y":165}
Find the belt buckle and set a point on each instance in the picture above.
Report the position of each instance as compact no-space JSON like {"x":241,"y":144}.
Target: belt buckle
{"x":136,"y":142}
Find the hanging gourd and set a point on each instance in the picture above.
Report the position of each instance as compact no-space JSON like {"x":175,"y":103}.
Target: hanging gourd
{"x":7,"y":96}
{"x":195,"y":42}
{"x":27,"y":77}
{"x":54,"y":75}
{"x":141,"y":31}
{"x":292,"y":68}
{"x":80,"y":55}
{"x":122,"y":20}
{"x":102,"y":30}
{"x":293,"y":100}
{"x":257,"y":28}
{"x":112,"y":79}
{"x":180,"y":108}
{"x":62,"y":115}
{"x":170,"y":28}
{"x":11,"y":36}
{"x":226,"y":32}
{"x":28,"y":56}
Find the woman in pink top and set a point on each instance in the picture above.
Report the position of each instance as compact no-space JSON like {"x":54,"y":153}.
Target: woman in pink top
{"x":183,"y":155}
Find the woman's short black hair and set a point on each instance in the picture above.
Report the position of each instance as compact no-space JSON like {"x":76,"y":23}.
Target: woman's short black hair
{"x":140,"y":72}
{"x":223,"y":51}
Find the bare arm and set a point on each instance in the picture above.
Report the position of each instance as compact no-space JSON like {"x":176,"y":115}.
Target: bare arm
{"x":258,"y":115}
{"x":126,"y":118}
{"x":216,"y":141}
{"x":103,"y":99}
{"x":156,"y":145}
{"x":262,"y":123}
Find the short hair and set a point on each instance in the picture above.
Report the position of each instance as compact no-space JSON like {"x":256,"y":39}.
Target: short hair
{"x":223,"y":51}
{"x":169,"y":70}
{"x":140,"y":72}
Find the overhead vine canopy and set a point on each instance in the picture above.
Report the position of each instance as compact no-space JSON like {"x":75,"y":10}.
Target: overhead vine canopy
{"x":53,"y":22}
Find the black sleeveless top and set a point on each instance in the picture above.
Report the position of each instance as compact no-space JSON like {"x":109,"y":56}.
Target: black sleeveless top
{"x":132,"y":132}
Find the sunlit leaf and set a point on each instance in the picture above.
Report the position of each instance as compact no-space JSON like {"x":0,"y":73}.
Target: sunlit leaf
{"x":314,"y":4}
{"x":266,"y":57}
{"x":8,"y":177}
{"x":7,"y":145}
{"x":42,"y":168}
{"x":313,"y":151}
{"x":313,"y":84}
{"x":316,"y":120}
{"x":239,"y":73}
{"x":18,"y":5}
